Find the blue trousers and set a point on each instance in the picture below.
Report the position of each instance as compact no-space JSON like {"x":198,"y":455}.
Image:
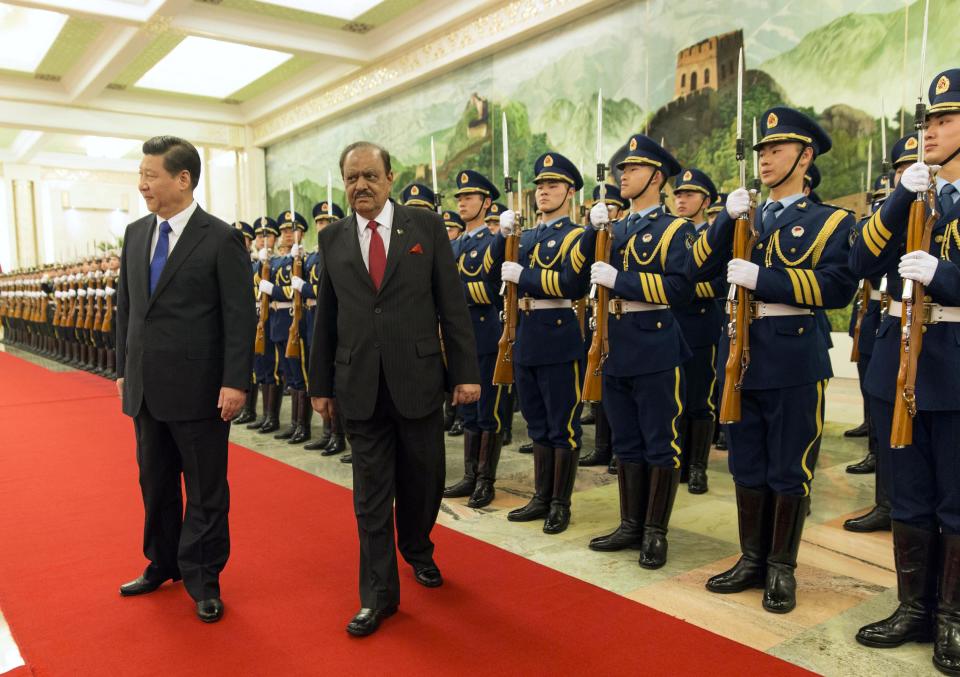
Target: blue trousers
{"x":643,"y":412}
{"x":700,"y":374}
{"x":491,"y":412}
{"x":550,"y":402}
{"x":265,"y":367}
{"x":777,"y":441}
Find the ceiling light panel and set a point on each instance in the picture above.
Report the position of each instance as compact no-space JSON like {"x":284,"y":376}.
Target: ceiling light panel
{"x":26,"y":36}
{"x":341,"y":9}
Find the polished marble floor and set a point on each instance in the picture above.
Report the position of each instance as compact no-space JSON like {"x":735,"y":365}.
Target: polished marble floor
{"x":844,"y":579}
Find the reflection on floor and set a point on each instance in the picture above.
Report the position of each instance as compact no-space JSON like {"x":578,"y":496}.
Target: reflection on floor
{"x":844,"y":579}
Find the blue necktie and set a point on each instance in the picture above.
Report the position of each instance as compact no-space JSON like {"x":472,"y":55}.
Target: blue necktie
{"x":159,"y":259}
{"x":770,"y":215}
{"x":948,"y":195}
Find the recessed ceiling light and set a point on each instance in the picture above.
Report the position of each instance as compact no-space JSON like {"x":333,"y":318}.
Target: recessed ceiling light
{"x":108,"y":146}
{"x":26,"y":36}
{"x":342,"y":9}
{"x":210,"y":67}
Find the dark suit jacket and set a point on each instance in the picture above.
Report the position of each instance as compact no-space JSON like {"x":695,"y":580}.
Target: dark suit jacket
{"x":195,"y":334}
{"x":357,"y":328}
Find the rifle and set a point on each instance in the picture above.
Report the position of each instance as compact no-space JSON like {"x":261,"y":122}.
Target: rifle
{"x":260,"y":343}
{"x":293,"y":336}
{"x":91,"y":304}
{"x":738,"y":300}
{"x":107,"y":325}
{"x":599,"y":295}
{"x":863,"y":300}
{"x":503,"y":369}
{"x":923,"y":216}
{"x":98,"y":314}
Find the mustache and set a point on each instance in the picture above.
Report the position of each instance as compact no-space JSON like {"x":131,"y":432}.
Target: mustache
{"x":363,"y":193}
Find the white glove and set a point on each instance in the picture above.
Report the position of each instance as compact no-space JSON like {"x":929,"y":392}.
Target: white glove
{"x":510,"y":271}
{"x":507,"y":222}
{"x":918,"y":266}
{"x":738,"y":203}
{"x":109,"y":291}
{"x":265,"y":286}
{"x":297,"y":282}
{"x":91,"y":291}
{"x":45,"y":278}
{"x":295,"y":250}
{"x":263,"y":255}
{"x":56,"y":294}
{"x":72,"y":293}
{"x":81,"y":293}
{"x":602,"y":273}
{"x":100,"y":293}
{"x":743,"y":273}
{"x":599,"y":216}
{"x":917,"y":177}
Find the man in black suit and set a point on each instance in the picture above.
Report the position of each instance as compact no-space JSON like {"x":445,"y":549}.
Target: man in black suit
{"x":185,"y":333}
{"x":388,"y":290}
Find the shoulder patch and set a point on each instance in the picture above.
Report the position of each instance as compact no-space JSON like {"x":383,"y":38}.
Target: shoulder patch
{"x":852,"y":237}
{"x":691,"y":238}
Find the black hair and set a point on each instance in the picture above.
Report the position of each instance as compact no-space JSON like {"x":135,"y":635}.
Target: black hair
{"x":384,"y":153}
{"x":178,"y":155}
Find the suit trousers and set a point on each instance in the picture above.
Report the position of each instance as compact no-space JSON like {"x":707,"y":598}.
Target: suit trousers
{"x":197,"y":543}
{"x":395,"y":459}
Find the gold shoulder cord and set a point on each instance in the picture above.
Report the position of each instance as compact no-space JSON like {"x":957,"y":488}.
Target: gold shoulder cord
{"x":662,"y":248}
{"x":815,"y":250}
{"x":463,"y":268}
{"x":952,"y":235}
{"x":564,"y":246}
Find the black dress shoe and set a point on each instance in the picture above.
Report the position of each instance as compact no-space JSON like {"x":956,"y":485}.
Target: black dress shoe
{"x":210,"y":610}
{"x":861,"y":430}
{"x":456,"y":429}
{"x":428,"y":576}
{"x":367,"y":621}
{"x":142,"y":585}
{"x":526,"y":448}
{"x":346,"y":458}
{"x":865,"y":467}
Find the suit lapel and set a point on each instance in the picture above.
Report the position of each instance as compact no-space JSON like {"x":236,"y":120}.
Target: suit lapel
{"x":193,"y":233}
{"x":351,"y":245}
{"x":398,"y":238}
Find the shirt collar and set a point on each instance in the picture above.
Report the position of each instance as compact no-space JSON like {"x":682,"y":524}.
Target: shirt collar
{"x":700,"y":226}
{"x":941,"y":182}
{"x":476,"y":231}
{"x":548,"y":224}
{"x":785,"y":201}
{"x":384,"y":218}
{"x":179,"y":221}
{"x":643,"y":212}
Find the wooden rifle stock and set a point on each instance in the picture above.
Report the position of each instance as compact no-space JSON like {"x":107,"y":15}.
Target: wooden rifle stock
{"x":600,"y":341}
{"x":91,"y":307}
{"x":260,"y":344}
{"x":98,"y":314}
{"x":919,"y":229}
{"x":738,"y":328}
{"x":503,"y":369}
{"x":107,"y":325}
{"x":293,"y":336}
{"x":864,"y":302}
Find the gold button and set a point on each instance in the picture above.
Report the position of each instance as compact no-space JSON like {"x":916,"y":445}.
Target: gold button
{"x":924,"y":329}
{"x":559,"y":322}
{"x":760,"y":246}
{"x":703,"y":310}
{"x":482,"y":318}
{"x":938,"y":238}
{"x":927,"y":299}
{"x":621,"y":251}
{"x":659,"y":325}
{"x":800,"y":330}
{"x":793,"y":250}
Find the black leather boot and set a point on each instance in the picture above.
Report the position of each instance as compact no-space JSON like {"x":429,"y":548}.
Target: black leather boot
{"x":946,"y":650}
{"x":878,"y":519}
{"x":258,"y":422}
{"x":864,"y":467}
{"x":526,"y":448}
{"x":338,"y":440}
{"x":589,"y":416}
{"x":634,"y":484}
{"x":457,"y":428}
{"x":272,"y":420}
{"x":564,"y":477}
{"x":663,"y":490}
{"x":700,"y":434}
{"x":305,"y":416}
{"x":449,"y":414}
{"x":789,"y":513}
{"x":539,"y":505}
{"x":249,"y":411}
{"x":613,"y":465}
{"x":863,"y":429}
{"x":602,"y":451}
{"x":288,"y":432}
{"x":324,"y":439}
{"x":915,"y":551}
{"x":754,"y":515}
{"x":111,"y":364}
{"x":471,"y":456}
{"x":721,"y":443}
{"x":484,"y":493}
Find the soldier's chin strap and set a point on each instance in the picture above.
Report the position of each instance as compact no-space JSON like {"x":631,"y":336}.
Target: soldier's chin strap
{"x":649,"y":181}
{"x":792,"y":169}
{"x":950,"y":158}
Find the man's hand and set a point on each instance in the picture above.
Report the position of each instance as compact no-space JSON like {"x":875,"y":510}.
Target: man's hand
{"x":266,"y":287}
{"x":599,"y":215}
{"x":263,"y":255}
{"x":604,"y":274}
{"x":918,"y":266}
{"x":120,"y":388}
{"x":738,"y":203}
{"x":507,"y":222}
{"x":325,"y":406}
{"x":466,"y":393}
{"x":230,"y":402}
{"x":510,"y":271}
{"x":743,"y":273}
{"x":917,"y":177}
{"x":297,"y":283}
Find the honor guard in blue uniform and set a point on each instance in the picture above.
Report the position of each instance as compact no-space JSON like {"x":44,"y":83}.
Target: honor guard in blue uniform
{"x":548,"y":351}
{"x":493,"y":224}
{"x":281,"y":290}
{"x":713,"y":211}
{"x":452,"y":415}
{"x":797,"y":265}
{"x":266,"y":367}
{"x":902,"y":155}
{"x":701,"y":323}
{"x":333,"y":439}
{"x":482,"y":420}
{"x":602,"y":453}
{"x":418,"y":195}
{"x":811,"y":180}
{"x":643,"y":380}
{"x":493,"y":217}
{"x":925,"y":475}
{"x":249,"y":411}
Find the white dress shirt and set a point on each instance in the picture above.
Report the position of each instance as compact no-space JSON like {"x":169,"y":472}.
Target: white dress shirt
{"x":384,"y":223}
{"x":177,"y":223}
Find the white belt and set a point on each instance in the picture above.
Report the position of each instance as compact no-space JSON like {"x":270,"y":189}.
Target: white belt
{"x":277,"y":305}
{"x":876,"y":295}
{"x":310,"y":303}
{"x":526,"y":304}
{"x":933,"y":312}
{"x":759,"y":310}
{"x":619,"y":306}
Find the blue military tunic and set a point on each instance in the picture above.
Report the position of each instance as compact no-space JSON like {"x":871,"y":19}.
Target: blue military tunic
{"x":281,"y":318}
{"x":265,"y":366}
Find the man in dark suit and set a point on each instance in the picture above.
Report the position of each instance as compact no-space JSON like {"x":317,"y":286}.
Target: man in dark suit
{"x":388,"y":290}
{"x":185,"y":332}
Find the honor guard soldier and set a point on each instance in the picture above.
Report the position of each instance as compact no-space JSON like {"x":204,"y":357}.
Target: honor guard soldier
{"x":455,"y":227}
{"x":643,"y":379}
{"x":482,"y":420}
{"x":811,"y":180}
{"x":924,"y":474}
{"x":266,"y":367}
{"x":602,"y":453}
{"x":249,"y":411}
{"x":798,"y":264}
{"x":333,"y":439}
{"x":452,"y":417}
{"x":700,"y":323}
{"x":548,"y":351}
{"x":713,"y":211}
{"x":418,"y":195}
{"x":281,"y":290}
{"x":902,"y":155}
{"x":110,"y":311}
{"x":493,"y":217}
{"x":493,"y":224}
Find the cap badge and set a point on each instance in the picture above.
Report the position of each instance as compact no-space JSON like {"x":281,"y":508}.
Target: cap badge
{"x":414,"y":190}
{"x":464,"y":178}
{"x":772,"y":120}
{"x":687,"y":175}
{"x":548,"y":161}
{"x":943,"y":84}
{"x":911,"y":143}
{"x":633,"y":143}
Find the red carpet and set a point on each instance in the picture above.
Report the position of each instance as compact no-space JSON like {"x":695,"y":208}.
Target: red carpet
{"x":70,"y":526}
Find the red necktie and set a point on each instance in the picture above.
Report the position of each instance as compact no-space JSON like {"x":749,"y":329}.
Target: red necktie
{"x":377,"y":256}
